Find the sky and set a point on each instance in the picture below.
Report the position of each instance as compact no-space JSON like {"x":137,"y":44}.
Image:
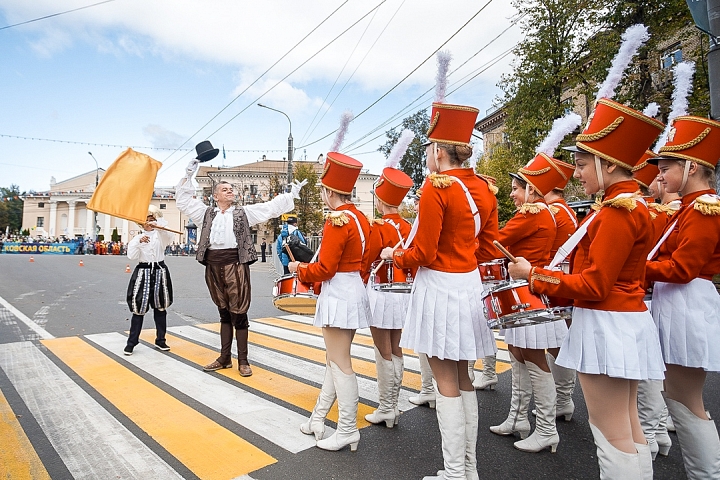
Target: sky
{"x":166,"y":74}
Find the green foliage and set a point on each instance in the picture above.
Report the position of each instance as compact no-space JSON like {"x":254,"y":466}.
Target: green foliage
{"x":114,"y":235}
{"x":499,"y":164}
{"x":310,"y":206}
{"x":26,"y":232}
{"x":275,"y":186}
{"x":11,"y":208}
{"x":413,"y":162}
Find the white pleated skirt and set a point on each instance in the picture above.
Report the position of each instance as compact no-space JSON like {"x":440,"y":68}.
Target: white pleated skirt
{"x":343,"y":302}
{"x":540,"y":336}
{"x":617,"y":344}
{"x":445,"y":317}
{"x":688,"y":321}
{"x":388,"y":309}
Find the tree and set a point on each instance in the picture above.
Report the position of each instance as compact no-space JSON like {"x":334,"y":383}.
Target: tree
{"x":413,"y":162}
{"x":310,"y":205}
{"x":11,"y":208}
{"x":275,"y":186}
{"x":497,"y":165}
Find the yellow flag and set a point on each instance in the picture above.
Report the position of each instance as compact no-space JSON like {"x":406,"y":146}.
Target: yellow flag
{"x":126,"y":188}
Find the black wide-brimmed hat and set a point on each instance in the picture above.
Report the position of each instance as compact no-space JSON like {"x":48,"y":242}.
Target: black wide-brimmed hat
{"x":205,"y":151}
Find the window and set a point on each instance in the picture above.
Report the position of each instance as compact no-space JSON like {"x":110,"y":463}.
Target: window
{"x":671,"y":56}
{"x":354,"y":192}
{"x":253,"y":189}
{"x":41,"y":204}
{"x":40,"y":222}
{"x":163,"y":206}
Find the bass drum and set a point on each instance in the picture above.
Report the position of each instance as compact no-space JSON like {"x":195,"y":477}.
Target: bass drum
{"x":293,"y":296}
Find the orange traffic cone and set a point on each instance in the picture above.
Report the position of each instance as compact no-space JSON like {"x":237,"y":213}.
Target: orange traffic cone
{"x":31,"y":258}
{"x":81,"y":263}
{"x":127,"y":269}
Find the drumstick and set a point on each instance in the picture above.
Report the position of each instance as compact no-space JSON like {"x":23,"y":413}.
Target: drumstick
{"x":289,"y":252}
{"x":377,"y":269}
{"x":504,"y":251}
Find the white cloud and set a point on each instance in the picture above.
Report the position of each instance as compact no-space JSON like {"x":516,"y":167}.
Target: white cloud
{"x":161,"y":137}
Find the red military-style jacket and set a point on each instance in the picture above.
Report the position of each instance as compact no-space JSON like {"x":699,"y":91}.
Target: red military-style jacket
{"x":486,"y":250}
{"x":692,"y":250}
{"x":341,"y":249}
{"x":609,"y":262}
{"x":661,"y":215}
{"x":445,"y":239}
{"x":566,"y":222}
{"x":530,"y":233}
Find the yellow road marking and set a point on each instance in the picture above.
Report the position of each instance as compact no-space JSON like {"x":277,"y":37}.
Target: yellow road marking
{"x":363,"y":367}
{"x":206,"y":448}
{"x":286,"y":389}
{"x":18,"y":459}
{"x":360,"y":339}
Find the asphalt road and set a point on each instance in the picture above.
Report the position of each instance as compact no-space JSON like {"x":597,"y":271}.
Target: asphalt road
{"x":87,"y":304}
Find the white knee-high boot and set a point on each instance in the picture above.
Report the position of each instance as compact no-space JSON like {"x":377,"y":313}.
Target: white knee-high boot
{"x":398,"y":370}
{"x":316,"y":424}
{"x":346,"y":389}
{"x":564,"y":386}
{"x":488,"y":378}
{"x":517,"y":419}
{"x":471,"y":370}
{"x":386,"y":386}
{"x":615,"y":464}
{"x":645,"y":460}
{"x":545,"y":434}
{"x":650,"y":411}
{"x":699,"y":442}
{"x":470,"y":407}
{"x":451,"y":420}
{"x":427,"y":390}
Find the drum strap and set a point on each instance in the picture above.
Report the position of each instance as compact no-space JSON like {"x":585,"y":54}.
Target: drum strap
{"x":360,"y":231}
{"x":661,"y":241}
{"x":397,"y":228}
{"x":572,"y":217}
{"x":567,"y":248}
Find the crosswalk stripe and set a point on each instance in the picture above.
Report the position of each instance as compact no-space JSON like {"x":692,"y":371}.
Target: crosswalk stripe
{"x":89,"y":440}
{"x":359,"y":339}
{"x":291,"y":365}
{"x":18,"y":458}
{"x":317,"y":354}
{"x":315,"y":340}
{"x":267,"y":419}
{"x":286,"y":389}
{"x":171,"y":423}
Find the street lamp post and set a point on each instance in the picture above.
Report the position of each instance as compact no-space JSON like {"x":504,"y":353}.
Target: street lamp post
{"x":97,"y":180}
{"x":290,"y":143}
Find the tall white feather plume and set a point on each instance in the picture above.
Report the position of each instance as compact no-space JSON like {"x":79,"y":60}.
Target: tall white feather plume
{"x":443,"y":64}
{"x":651,"y":110}
{"x":632,"y":40}
{"x":399,"y":148}
{"x":561,"y":127}
{"x":683,"y":81}
{"x":345,"y":120}
{"x":476,"y":154}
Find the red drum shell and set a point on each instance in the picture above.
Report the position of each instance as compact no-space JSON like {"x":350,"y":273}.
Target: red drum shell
{"x":390,"y":278}
{"x":293,"y":296}
{"x":493,"y":272}
{"x":511,"y":304}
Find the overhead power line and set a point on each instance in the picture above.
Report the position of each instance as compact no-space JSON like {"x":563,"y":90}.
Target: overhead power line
{"x":54,"y":15}
{"x":406,"y":76}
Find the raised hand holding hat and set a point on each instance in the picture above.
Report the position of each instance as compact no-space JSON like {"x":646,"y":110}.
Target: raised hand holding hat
{"x":191,"y":168}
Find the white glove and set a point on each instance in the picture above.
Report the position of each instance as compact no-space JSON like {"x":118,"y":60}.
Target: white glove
{"x":192,"y":166}
{"x":295,"y":187}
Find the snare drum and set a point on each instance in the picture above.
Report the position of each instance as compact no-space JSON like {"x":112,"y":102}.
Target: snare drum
{"x":511,"y":304}
{"x":389,"y":278}
{"x":494,"y":272}
{"x":293,"y":296}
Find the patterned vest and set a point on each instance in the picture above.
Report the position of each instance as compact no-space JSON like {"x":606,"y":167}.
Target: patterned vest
{"x":241,"y":229}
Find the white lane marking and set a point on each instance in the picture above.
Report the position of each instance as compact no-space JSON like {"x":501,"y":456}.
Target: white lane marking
{"x":359,"y":351}
{"x":297,"y":367}
{"x":273,"y":422}
{"x":90,"y":441}
{"x":23,"y":295}
{"x":44,"y":334}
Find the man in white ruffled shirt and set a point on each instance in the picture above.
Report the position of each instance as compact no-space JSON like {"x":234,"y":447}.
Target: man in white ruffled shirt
{"x":226,"y":249}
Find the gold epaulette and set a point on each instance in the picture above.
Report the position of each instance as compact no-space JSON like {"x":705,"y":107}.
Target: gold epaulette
{"x":493,"y":189}
{"x":628,"y":203}
{"x":553,"y":209}
{"x":659,"y":207}
{"x":439,"y":180}
{"x":490,"y":183}
{"x":377,"y":221}
{"x":533,"y":208}
{"x":653,"y":215}
{"x":338,"y":219}
{"x":708,"y":204}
